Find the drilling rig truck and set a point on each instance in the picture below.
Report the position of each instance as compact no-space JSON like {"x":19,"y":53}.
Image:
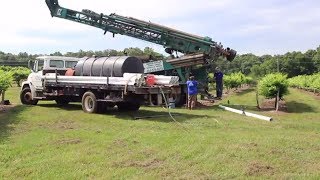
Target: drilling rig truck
{"x":199,"y":53}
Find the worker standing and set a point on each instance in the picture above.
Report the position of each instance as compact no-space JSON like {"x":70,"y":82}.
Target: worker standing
{"x":219,"y":82}
{"x":192,"y":92}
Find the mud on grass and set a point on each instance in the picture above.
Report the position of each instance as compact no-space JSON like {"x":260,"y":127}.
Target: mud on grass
{"x":61,"y":125}
{"x":6,"y":108}
{"x":257,"y":169}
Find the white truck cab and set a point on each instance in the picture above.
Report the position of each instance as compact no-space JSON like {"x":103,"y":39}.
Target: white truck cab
{"x":32,"y":88}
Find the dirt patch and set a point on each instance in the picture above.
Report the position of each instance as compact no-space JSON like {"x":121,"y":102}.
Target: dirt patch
{"x":204,"y":103}
{"x":257,"y":168}
{"x":250,"y":145}
{"x":269,"y":105}
{"x":148,"y":153}
{"x":120,"y":143}
{"x":191,"y":175}
{"x":276,"y":151}
{"x":63,"y":125}
{"x":68,"y":141}
{"x":235,"y":91}
{"x":147,"y":164}
{"x":6,"y":108}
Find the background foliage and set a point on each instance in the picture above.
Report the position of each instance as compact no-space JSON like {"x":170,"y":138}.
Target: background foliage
{"x":5,"y":82}
{"x":236,"y":80}
{"x":307,"y":82}
{"x":292,"y":63}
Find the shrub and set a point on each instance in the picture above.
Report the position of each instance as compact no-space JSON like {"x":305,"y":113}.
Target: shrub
{"x":271,"y":83}
{"x":235,"y":80}
{"x":5,"y":82}
{"x":19,"y":73}
{"x":6,"y":68}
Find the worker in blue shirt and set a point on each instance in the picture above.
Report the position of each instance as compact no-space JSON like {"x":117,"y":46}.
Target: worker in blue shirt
{"x":219,"y":82}
{"x":192,"y":92}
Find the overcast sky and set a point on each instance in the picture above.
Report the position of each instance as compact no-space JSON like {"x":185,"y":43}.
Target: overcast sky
{"x":248,"y":26}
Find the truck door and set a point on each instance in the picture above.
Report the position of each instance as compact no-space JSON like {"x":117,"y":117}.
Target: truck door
{"x":36,"y":79}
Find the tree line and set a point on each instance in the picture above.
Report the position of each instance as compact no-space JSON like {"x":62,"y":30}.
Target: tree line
{"x":291,"y":63}
{"x":24,"y":56}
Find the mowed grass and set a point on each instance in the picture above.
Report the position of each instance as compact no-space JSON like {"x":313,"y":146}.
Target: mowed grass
{"x":47,"y":141}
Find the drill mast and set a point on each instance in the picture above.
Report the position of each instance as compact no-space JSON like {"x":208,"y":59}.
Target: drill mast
{"x":172,"y":40}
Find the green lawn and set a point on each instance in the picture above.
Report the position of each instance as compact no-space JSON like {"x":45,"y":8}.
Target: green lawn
{"x":49,"y":142}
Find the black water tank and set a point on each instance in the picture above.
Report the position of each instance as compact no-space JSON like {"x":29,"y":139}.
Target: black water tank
{"x":114,"y":66}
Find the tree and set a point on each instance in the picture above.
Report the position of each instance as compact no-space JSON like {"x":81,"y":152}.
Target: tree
{"x":133,"y":51}
{"x":150,"y":52}
{"x":19,"y":73}
{"x":56,"y":54}
{"x":5,"y":83}
{"x":273,"y":86}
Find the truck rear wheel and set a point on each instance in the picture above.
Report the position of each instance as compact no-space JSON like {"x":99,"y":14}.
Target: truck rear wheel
{"x":89,"y":102}
{"x":26,"y":97}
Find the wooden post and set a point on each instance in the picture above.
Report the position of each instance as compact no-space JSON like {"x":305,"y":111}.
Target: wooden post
{"x":277,"y":100}
{"x":2,"y":93}
{"x":257,"y":99}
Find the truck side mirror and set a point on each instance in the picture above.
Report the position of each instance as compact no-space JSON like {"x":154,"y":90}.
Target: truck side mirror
{"x":31,"y":65}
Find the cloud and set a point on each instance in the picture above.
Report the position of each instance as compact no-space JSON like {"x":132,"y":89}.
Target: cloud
{"x":148,"y":8}
{"x":246,"y":25}
{"x":30,"y":22}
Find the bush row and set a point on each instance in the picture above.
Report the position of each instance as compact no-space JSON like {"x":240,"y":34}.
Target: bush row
{"x":307,"y":82}
{"x":16,"y":73}
{"x":236,"y":80}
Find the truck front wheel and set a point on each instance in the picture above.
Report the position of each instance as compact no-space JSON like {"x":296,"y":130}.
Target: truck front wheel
{"x":89,"y":102}
{"x":26,"y":97}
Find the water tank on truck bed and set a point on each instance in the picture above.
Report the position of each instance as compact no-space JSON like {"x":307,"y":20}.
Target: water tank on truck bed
{"x":114,"y":66}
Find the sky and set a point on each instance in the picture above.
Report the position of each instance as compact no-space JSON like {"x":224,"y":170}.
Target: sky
{"x":248,"y":26}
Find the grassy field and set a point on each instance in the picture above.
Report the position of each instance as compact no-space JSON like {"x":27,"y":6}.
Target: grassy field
{"x":47,"y":141}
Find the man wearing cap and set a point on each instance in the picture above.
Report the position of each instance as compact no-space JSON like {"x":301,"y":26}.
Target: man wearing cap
{"x":219,"y":82}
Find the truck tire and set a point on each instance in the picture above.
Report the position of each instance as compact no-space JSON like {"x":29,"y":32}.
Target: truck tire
{"x":62,"y":101}
{"x":26,"y":97}
{"x":89,"y":102}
